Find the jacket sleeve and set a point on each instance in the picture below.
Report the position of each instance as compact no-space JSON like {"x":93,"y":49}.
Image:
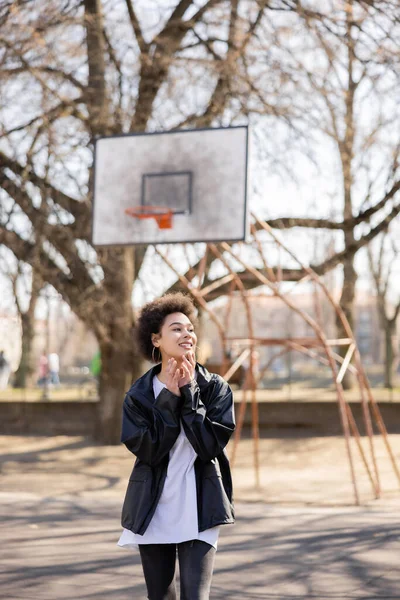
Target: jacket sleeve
{"x":151,"y":435}
{"x":208,"y":429}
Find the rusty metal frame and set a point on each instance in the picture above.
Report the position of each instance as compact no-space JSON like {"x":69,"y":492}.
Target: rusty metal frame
{"x":319,"y":347}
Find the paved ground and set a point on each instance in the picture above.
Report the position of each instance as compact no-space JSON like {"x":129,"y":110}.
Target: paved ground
{"x":298,"y":536}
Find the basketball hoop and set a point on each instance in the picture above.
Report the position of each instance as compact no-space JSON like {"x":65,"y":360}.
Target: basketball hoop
{"x":190,"y":185}
{"x":161,"y":214}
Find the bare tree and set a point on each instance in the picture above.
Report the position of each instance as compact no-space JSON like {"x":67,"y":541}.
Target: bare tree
{"x":25,"y":286}
{"x":382,"y":268}
{"x":344,"y":62}
{"x":78,"y":69}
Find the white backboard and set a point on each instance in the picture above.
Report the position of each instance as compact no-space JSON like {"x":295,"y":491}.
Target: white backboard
{"x":201,"y":175}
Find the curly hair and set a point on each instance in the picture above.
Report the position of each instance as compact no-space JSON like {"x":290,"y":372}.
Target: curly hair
{"x":153,"y":315}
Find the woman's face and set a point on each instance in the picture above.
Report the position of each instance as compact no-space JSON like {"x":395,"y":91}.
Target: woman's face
{"x":176,"y":338}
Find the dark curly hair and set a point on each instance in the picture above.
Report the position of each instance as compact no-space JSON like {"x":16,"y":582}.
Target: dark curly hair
{"x":153,"y":314}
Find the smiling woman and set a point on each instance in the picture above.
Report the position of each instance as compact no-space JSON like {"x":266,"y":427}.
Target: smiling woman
{"x":176,"y":343}
{"x":177,"y":420}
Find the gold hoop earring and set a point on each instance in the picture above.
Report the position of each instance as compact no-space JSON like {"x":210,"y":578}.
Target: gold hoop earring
{"x":153,"y":355}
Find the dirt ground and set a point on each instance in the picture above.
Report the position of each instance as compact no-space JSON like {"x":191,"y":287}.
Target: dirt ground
{"x":298,"y":536}
{"x":294,"y":469}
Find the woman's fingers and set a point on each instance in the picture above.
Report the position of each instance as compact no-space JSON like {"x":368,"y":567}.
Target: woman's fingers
{"x":185,"y":369}
{"x":190,"y":360}
{"x":177,"y":376}
{"x":172,"y":364}
{"x":173,"y":376}
{"x":190,"y":364}
{"x":186,"y":361}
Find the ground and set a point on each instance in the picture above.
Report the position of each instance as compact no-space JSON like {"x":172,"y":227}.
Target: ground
{"x":299,"y":535}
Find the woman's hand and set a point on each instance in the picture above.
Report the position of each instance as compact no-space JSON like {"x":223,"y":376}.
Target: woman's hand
{"x":187,"y":369}
{"x":172,"y":377}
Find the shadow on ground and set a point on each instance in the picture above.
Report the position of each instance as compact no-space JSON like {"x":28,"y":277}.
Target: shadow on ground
{"x":63,"y":549}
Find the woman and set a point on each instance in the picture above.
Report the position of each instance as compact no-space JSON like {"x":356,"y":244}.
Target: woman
{"x":177,"y":419}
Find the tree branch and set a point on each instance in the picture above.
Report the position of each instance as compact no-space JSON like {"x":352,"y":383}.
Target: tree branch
{"x":154,"y":70}
{"x":62,"y":110}
{"x":97,"y":101}
{"x":44,"y":69}
{"x":345,"y":225}
{"x":250,"y":282}
{"x":84,"y":302}
{"x":78,"y":209}
{"x":60,"y":236}
{"x":143,"y":46}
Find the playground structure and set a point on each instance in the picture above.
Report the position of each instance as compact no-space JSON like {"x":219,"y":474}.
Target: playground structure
{"x":319,"y":346}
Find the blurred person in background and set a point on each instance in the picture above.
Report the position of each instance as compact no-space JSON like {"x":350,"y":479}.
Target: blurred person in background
{"x":54,"y":368}
{"x":43,"y":371}
{"x":4,"y":371}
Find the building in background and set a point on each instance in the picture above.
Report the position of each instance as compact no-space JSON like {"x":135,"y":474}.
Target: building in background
{"x":273,"y":319}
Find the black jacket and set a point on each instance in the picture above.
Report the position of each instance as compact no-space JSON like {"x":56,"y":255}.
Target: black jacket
{"x":150,"y":428}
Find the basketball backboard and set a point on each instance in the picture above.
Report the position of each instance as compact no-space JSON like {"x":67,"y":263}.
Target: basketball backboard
{"x":200,"y":175}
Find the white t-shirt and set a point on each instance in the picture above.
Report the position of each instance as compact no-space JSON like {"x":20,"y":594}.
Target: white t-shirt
{"x":54,"y":362}
{"x":175,"y":518}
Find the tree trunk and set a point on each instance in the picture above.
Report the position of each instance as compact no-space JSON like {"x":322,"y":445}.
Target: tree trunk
{"x":118,"y":371}
{"x":120,"y":361}
{"x":97,"y":101}
{"x":390,"y":353}
{"x":26,"y":369}
{"x":346,"y":150}
{"x":347,"y":303}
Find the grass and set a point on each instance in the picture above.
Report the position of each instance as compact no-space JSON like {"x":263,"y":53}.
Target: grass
{"x":298,"y":391}
{"x":78,"y":393}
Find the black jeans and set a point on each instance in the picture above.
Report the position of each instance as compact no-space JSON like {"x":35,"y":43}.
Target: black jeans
{"x":196,"y":563}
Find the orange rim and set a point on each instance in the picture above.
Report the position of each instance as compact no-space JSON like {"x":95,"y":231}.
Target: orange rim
{"x":160,"y":214}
